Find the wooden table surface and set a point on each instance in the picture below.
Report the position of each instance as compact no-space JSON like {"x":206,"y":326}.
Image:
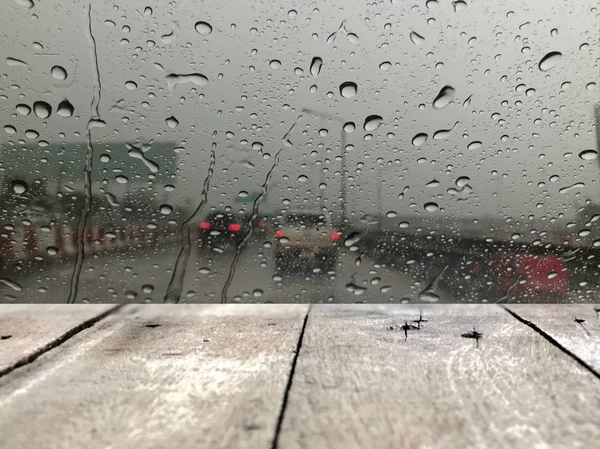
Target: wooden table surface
{"x":299,"y":376}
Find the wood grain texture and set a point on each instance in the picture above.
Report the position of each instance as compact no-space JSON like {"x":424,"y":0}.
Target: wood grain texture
{"x":358,"y":384}
{"x":576,"y":327}
{"x":27,"y":330}
{"x":158,"y":377}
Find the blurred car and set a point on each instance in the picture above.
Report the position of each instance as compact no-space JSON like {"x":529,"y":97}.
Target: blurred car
{"x":306,"y":240}
{"x":265,"y":225}
{"x":539,"y":276}
{"x":221,"y":230}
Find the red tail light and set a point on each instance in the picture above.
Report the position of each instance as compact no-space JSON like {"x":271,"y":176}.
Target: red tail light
{"x":476,"y":267}
{"x":234,"y":227}
{"x":278,"y":234}
{"x":335,"y":236}
{"x":205,"y":225}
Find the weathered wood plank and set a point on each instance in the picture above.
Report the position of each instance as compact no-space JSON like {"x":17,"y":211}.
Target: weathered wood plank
{"x":358,"y":384}
{"x":575,"y":327}
{"x":158,"y":377}
{"x":28,"y":330}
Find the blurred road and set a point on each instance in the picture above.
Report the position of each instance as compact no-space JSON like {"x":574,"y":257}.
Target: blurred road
{"x":143,"y":276}
{"x":137,"y":275}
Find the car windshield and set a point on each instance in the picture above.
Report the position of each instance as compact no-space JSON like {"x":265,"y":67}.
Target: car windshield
{"x":431,"y":151}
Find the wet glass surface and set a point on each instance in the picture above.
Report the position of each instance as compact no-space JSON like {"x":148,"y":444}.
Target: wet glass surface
{"x":281,"y":152}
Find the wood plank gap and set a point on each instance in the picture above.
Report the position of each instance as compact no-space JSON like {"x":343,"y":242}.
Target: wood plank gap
{"x":30,"y":358}
{"x":288,"y":387}
{"x":553,"y":342}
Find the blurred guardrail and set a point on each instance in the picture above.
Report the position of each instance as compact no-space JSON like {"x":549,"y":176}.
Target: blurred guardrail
{"x":44,"y":243}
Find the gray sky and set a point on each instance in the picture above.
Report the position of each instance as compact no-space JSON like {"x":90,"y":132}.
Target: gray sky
{"x":488,"y":51}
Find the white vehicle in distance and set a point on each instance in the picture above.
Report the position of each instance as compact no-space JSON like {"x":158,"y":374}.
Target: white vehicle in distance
{"x":306,"y":240}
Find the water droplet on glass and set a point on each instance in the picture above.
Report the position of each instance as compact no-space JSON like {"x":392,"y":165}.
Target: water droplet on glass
{"x":203,"y":28}
{"x":416,"y":38}
{"x":15,"y":62}
{"x":353,"y":38}
{"x":352,"y":239}
{"x":431,"y":207}
{"x":58,"y":72}
{"x":474,"y":145}
{"x":550,"y":60}
{"x":11,"y":284}
{"x":19,"y":187}
{"x":433,"y":183}
{"x":165,"y":209}
{"x":122,"y":179}
{"x":302,"y":178}
{"x":427,"y":296}
{"x":577,"y":185}
{"x":172,"y":122}
{"x":349,"y":127}
{"x":275,"y":63}
{"x":196,"y":78}
{"x":25,"y":3}
{"x":348,"y":89}
{"x":112,"y":200}
{"x":459,"y":5}
{"x":131,"y":85}
{"x":315,"y":66}
{"x":42,"y":109}
{"x":443,"y":133}
{"x":65,"y":108}
{"x":32,"y":134}
{"x":385,"y":66}
{"x":419,"y":139}
{"x":444,"y":97}
{"x":23,"y":109}
{"x":52,"y":250}
{"x":462,"y":181}
{"x":590,"y":86}
{"x":372,"y":122}
{"x":10,"y":129}
{"x":552,"y":275}
{"x":356,"y":289}
{"x":467,"y":102}
{"x":147,"y":288}
{"x":257,"y":293}
{"x":554,"y":32}
{"x":130,"y":294}
{"x":588,"y":155}
{"x":391,"y":214}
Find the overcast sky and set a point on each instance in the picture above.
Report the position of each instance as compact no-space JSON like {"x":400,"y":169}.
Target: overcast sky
{"x":532,"y":124}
